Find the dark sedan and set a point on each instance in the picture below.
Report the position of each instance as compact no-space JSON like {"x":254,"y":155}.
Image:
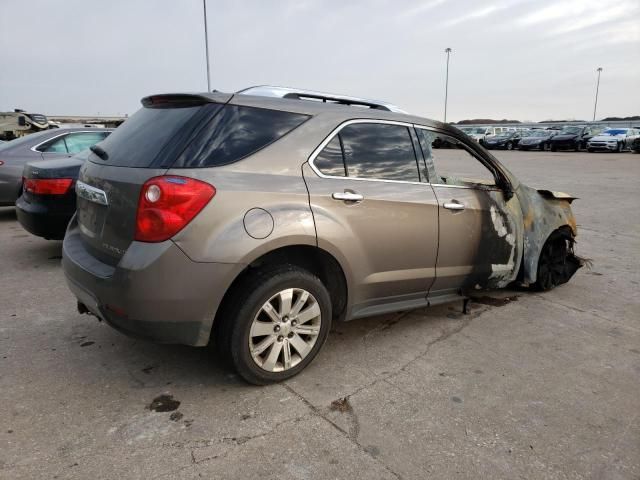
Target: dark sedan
{"x":573,"y":138}
{"x":504,"y":140}
{"x":536,"y":140}
{"x":48,"y":199}
{"x":50,"y":144}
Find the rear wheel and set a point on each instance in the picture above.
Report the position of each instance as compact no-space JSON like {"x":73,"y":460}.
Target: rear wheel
{"x":275,"y":324}
{"x":557,"y":262}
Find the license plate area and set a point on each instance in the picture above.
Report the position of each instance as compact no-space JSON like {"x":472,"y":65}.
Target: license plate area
{"x":91,"y":218}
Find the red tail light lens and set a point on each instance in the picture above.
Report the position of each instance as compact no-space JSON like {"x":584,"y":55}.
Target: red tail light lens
{"x":47,"y":186}
{"x":167,"y":204}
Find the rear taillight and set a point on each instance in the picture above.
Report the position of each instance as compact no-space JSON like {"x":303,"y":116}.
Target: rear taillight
{"x":47,"y":186}
{"x":167,"y":204}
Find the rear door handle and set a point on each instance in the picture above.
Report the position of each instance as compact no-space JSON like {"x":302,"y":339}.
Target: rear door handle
{"x":454,"y":206}
{"x":347,"y":196}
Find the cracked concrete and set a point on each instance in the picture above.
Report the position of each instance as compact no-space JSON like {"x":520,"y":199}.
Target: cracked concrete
{"x":547,"y":386}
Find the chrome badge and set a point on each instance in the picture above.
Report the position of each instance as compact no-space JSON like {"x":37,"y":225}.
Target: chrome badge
{"x":90,"y":193}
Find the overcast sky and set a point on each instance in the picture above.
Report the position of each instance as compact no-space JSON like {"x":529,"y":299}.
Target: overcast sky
{"x":517,"y":59}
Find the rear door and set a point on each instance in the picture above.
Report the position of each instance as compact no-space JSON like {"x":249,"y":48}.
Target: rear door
{"x":373,"y":207}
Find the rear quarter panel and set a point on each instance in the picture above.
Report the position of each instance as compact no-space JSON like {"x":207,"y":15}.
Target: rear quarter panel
{"x":261,"y":203}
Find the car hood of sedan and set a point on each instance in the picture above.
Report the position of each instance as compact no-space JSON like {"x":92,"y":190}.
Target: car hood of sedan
{"x":604,"y":138}
{"x":565,"y":137}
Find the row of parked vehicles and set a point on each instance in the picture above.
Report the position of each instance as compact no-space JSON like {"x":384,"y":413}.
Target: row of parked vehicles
{"x":571,"y":137}
{"x":253,"y":220}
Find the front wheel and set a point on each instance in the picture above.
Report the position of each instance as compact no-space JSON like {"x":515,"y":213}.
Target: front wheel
{"x":619,"y":148}
{"x":557,"y":262}
{"x":509,"y":146}
{"x":275,"y":324}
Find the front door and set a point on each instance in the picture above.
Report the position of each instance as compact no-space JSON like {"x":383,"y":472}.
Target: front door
{"x":481,"y":233}
{"x":375,"y":210}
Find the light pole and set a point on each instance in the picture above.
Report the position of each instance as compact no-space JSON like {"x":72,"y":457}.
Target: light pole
{"x":206,"y":45}
{"x":595,"y":105}
{"x":446,"y":85}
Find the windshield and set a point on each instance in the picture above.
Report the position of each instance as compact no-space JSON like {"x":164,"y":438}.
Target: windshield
{"x":571,"y":130}
{"x":615,"y":131}
{"x":478,"y":131}
{"x":504,"y":134}
{"x":538,"y":133}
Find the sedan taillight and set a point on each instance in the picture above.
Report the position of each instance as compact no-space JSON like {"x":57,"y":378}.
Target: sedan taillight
{"x":167,"y":204}
{"x":47,"y":186}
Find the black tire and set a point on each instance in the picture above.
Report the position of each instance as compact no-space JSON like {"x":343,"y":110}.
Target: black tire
{"x":576,"y":147}
{"x":590,"y":150}
{"x":619,"y":148}
{"x":557,"y":262}
{"x":244,"y":303}
{"x":509,"y":146}
{"x":543,"y":147}
{"x":552,"y":148}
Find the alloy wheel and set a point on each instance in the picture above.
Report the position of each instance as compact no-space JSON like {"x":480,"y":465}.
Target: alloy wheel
{"x":284,"y":330}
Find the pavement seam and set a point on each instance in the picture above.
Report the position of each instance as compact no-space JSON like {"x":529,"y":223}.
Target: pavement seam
{"x":349,"y":435}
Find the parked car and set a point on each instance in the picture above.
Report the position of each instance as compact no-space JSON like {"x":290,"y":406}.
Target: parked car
{"x":613,"y":140}
{"x":481,"y":134}
{"x":536,"y":139}
{"x":48,"y":199}
{"x":505,"y":140}
{"x":47,"y":145}
{"x":573,"y":138}
{"x":256,"y":219}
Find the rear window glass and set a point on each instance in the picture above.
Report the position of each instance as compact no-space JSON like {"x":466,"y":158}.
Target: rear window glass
{"x":139,"y":140}
{"x":235,"y":133}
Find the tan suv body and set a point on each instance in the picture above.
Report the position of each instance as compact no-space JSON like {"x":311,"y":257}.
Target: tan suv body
{"x":261,"y":219}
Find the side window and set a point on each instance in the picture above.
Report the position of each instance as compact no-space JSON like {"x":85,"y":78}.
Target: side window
{"x":77,"y":142}
{"x":330,"y":160}
{"x":235,"y":133}
{"x":454,"y":164}
{"x":379,"y":151}
{"x":56,"y":145}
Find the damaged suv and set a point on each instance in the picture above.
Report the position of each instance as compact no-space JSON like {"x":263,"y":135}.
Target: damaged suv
{"x":253,"y":220}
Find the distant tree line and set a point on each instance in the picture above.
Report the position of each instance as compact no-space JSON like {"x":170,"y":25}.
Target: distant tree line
{"x":504,"y":120}
{"x":486,"y":120}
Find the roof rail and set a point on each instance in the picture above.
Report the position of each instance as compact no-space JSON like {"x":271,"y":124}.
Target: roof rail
{"x":300,"y":94}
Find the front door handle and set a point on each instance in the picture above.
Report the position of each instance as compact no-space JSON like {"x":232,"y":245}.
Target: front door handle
{"x":347,"y":196}
{"x":454,"y":206}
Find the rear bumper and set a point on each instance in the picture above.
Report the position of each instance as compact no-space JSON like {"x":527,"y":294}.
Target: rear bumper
{"x":41,"y":220}
{"x":155,"y":292}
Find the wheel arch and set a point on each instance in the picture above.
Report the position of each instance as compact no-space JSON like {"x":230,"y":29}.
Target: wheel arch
{"x":311,"y":258}
{"x":542,"y":216}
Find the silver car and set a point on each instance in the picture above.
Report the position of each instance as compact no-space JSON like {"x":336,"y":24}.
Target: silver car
{"x":47,"y":145}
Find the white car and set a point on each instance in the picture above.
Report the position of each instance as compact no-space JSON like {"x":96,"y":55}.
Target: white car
{"x":613,"y":139}
{"x":480,"y":134}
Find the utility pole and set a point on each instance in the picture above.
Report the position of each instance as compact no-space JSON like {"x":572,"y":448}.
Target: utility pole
{"x":446,"y":85}
{"x":595,"y":105}
{"x":206,"y":45}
